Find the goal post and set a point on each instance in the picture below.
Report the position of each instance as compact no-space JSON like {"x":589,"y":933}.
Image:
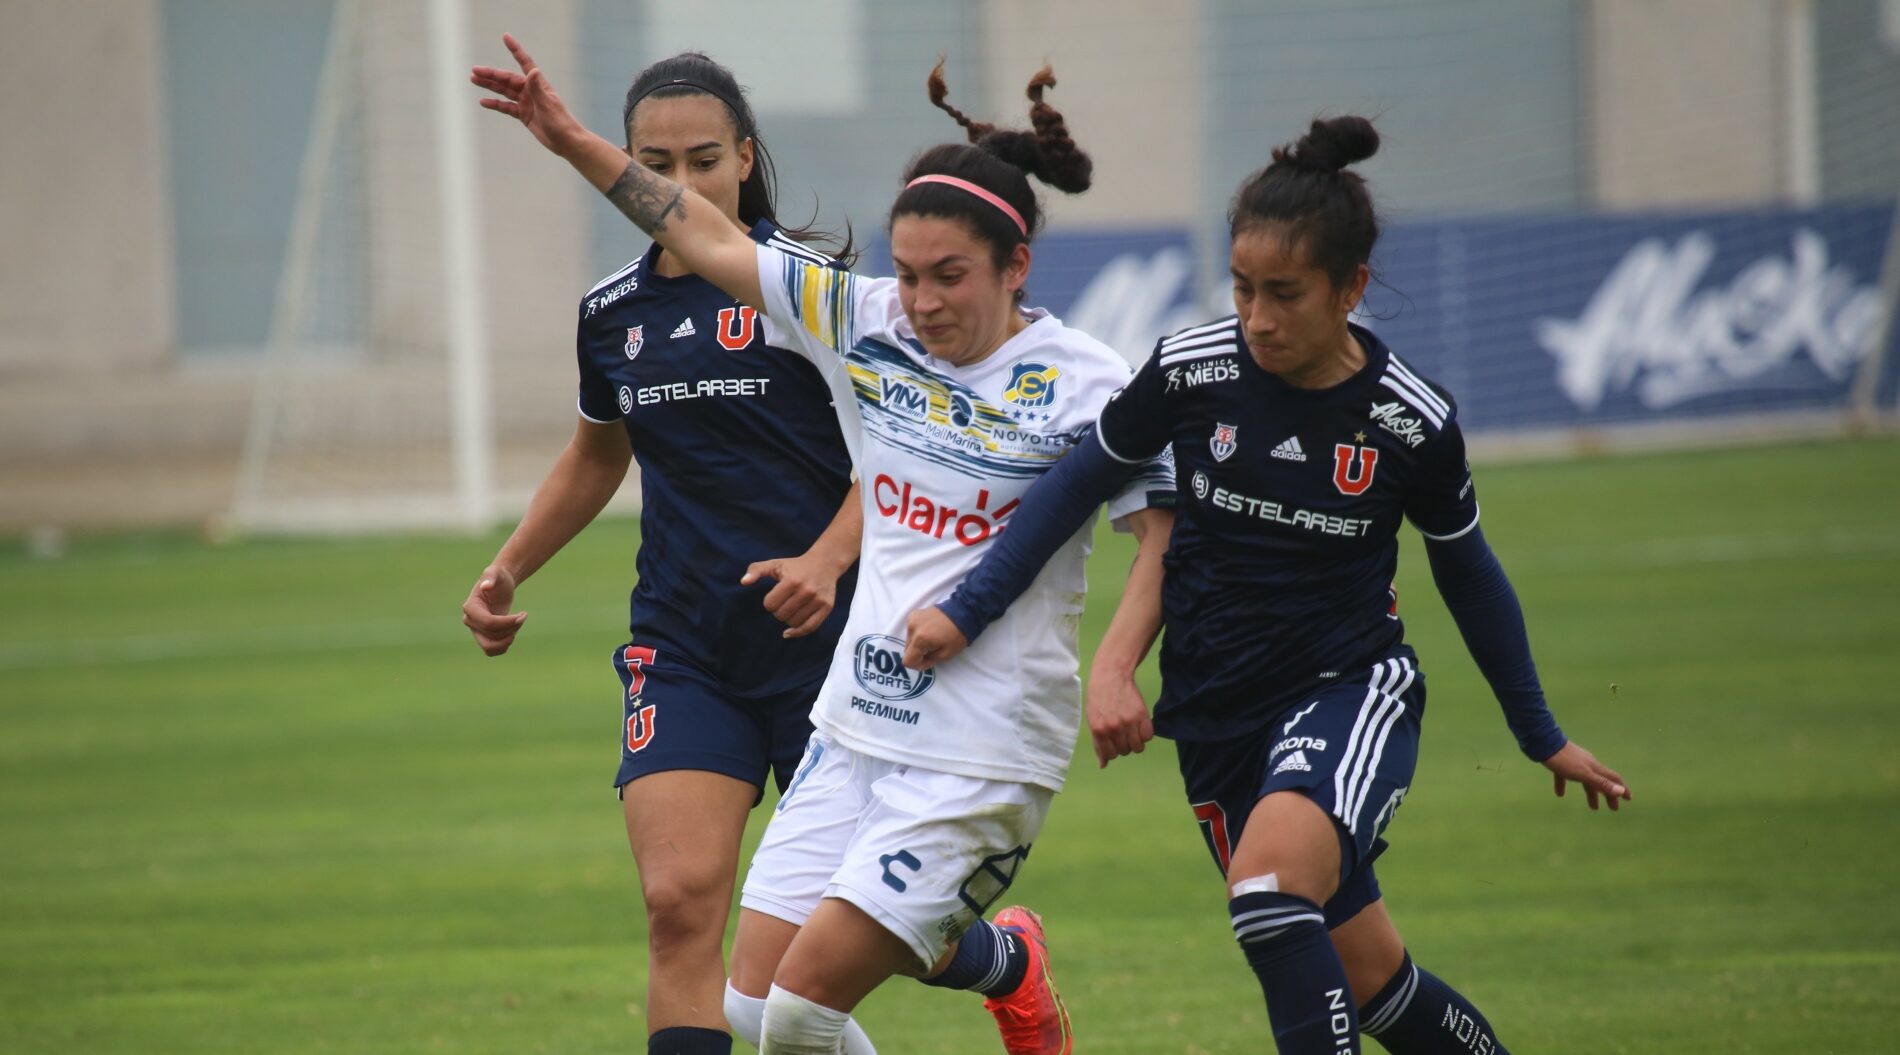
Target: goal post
{"x":1866,"y":406}
{"x":356,"y":425}
{"x":465,"y":326}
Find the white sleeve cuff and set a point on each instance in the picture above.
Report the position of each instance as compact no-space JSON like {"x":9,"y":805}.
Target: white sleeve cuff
{"x":1460,"y":533}
{"x":590,"y":417}
{"x":1110,"y":450}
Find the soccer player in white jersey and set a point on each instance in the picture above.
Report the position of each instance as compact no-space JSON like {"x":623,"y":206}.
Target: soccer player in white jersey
{"x":920,"y":794}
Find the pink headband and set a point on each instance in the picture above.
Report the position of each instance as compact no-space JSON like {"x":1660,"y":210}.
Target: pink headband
{"x":963,"y":184}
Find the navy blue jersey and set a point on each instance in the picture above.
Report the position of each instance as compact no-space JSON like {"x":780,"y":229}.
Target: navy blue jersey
{"x":740,"y":460}
{"x":1279,"y":576}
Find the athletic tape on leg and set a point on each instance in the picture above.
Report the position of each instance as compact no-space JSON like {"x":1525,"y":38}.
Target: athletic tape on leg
{"x":1266,"y":884}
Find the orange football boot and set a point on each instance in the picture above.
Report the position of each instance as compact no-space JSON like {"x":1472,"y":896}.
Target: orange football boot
{"x":1031,"y":1019}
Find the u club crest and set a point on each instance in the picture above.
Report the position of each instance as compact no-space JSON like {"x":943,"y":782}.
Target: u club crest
{"x":1222,"y":443}
{"x":1353,"y":466}
{"x":635,"y":339}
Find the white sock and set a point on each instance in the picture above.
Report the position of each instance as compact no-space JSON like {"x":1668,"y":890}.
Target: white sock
{"x":855,"y":1041}
{"x":745,"y":1014}
{"x":794,"y":1025}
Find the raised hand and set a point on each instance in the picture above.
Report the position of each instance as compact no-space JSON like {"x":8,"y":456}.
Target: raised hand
{"x":486,"y":614}
{"x":527,"y":97}
{"x":1573,"y":762}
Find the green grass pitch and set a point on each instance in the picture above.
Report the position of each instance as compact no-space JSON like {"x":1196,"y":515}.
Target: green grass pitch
{"x":269,"y":797}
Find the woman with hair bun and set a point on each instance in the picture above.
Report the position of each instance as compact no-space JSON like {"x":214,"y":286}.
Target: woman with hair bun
{"x":715,"y":686}
{"x":1302,"y":442}
{"x":921,"y":792}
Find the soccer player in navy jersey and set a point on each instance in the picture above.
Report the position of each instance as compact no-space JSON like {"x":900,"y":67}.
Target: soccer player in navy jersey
{"x":741,"y":465}
{"x":919,"y":796}
{"x":1301,"y":442}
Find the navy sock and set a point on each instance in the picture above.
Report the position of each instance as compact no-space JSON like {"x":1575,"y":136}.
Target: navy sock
{"x":689,"y":1040}
{"x":1308,"y":1001}
{"x":1417,"y":1014}
{"x":989,"y":959}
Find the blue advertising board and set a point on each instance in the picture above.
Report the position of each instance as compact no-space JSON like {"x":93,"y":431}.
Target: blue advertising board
{"x":1585,"y":320}
{"x":1553,"y":321}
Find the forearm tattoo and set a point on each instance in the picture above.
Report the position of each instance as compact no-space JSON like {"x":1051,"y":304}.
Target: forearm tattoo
{"x":646,"y":199}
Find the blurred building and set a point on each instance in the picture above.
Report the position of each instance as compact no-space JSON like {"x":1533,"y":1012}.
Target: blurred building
{"x":151,"y":201}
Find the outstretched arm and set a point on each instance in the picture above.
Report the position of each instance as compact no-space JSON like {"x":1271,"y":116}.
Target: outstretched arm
{"x":687,"y":225}
{"x":1489,"y":618}
{"x":1054,"y":508}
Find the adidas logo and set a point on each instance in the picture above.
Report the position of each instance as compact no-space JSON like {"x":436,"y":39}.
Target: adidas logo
{"x":1296,"y":760}
{"x":684,"y":329}
{"x":1289,"y":449}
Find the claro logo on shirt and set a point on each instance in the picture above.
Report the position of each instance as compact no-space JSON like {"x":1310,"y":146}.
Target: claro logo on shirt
{"x":927,"y":516}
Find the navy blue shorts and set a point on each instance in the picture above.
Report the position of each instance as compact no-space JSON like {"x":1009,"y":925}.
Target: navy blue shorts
{"x":676,"y":716}
{"x":1350,"y":747}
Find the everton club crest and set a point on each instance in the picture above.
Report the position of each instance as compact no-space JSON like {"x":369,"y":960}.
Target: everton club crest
{"x":1031,"y":384}
{"x":634,"y":340}
{"x":1222,"y":443}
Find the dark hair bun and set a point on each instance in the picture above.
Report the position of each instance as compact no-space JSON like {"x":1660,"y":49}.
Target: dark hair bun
{"x":1332,"y":144}
{"x":1016,"y":147}
{"x":1063,"y":165}
{"x":1048,"y":152}
{"x":1323,"y":204}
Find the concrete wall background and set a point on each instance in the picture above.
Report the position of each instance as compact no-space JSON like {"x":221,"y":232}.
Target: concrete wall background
{"x":1686,"y":98}
{"x":87,"y":280}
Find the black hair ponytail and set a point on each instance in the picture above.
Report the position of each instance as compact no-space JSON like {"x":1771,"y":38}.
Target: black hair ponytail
{"x":1308,"y":188}
{"x":694,"y":73}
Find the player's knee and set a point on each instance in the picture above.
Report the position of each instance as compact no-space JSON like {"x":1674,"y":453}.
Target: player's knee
{"x":794,"y":1025}
{"x":1313,"y":884}
{"x":746,"y":1015}
{"x":684,"y":909}
{"x":1266,"y":917}
{"x":1291,"y":839}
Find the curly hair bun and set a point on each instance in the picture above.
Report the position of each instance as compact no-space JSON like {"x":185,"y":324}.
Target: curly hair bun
{"x":1064,"y":166}
{"x":1332,"y":144}
{"x":940,"y":98}
{"x":1047,"y":152}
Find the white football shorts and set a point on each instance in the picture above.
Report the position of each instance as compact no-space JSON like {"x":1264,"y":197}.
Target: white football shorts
{"x":925,"y":853}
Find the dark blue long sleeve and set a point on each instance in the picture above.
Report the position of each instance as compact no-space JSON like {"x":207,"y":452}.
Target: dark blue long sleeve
{"x":1053,"y":509}
{"x":1485,"y":608}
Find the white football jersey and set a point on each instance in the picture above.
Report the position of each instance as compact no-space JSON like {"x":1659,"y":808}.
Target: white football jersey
{"x":944,"y":455}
